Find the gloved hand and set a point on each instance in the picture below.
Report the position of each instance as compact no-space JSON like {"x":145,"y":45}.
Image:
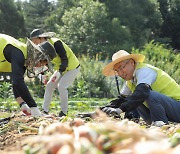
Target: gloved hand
{"x":55,"y":76}
{"x":116,"y":103}
{"x":43,"y":78}
{"x":112,"y":111}
{"x":35,"y":112}
{"x":132,"y":115}
{"x":25,"y":108}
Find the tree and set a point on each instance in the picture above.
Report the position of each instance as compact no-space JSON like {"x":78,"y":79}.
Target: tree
{"x":84,"y":27}
{"x":12,"y":21}
{"x":59,"y":8}
{"x":87,"y":28}
{"x":170,"y":28}
{"x":36,"y":14}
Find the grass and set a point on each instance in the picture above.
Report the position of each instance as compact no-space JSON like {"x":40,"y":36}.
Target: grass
{"x":75,"y":105}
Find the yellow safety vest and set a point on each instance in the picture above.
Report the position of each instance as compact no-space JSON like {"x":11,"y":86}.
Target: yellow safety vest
{"x":72,"y":59}
{"x":163,"y":84}
{"x":5,"y":66}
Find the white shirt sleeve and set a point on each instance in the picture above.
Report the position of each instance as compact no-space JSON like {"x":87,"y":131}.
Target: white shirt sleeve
{"x":125,"y":90}
{"x":146,"y":75}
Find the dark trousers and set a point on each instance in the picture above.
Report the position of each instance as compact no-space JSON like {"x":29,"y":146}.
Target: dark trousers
{"x":160,"y":108}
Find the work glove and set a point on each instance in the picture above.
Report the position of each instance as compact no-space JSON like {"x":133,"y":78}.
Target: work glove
{"x":43,"y":78}
{"x":132,"y":115}
{"x":112,"y":111}
{"x":55,"y":76}
{"x":116,"y":103}
{"x":25,"y":108}
{"x":35,"y":112}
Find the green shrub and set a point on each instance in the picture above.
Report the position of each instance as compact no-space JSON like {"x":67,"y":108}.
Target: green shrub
{"x":91,"y":82}
{"x":162,"y":57}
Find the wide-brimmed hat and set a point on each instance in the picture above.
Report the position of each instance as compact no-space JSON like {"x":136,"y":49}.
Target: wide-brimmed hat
{"x":38,"y":33}
{"x":119,"y":56}
{"x":35,"y":53}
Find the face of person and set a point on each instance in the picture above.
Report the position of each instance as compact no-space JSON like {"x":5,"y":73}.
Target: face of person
{"x":41,"y":63}
{"x":125,"y":69}
{"x":38,"y":40}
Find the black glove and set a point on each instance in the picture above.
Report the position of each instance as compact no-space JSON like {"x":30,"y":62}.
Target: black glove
{"x":116,"y":103}
{"x":132,"y":115}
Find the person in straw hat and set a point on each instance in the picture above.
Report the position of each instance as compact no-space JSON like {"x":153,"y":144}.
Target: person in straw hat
{"x":16,"y":58}
{"x":151,"y":91}
{"x":66,"y":68}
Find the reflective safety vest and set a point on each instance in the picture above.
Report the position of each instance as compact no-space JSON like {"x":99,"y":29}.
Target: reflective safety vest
{"x":163,"y":84}
{"x":72,"y":59}
{"x":5,"y":66}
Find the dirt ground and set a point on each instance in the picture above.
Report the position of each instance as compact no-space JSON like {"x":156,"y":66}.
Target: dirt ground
{"x":102,"y":134}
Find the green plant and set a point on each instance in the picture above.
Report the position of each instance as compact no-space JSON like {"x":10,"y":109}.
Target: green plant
{"x":163,"y":57}
{"x":6,"y":90}
{"x":91,"y":82}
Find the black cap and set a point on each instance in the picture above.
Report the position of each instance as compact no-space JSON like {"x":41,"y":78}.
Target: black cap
{"x":35,"y":33}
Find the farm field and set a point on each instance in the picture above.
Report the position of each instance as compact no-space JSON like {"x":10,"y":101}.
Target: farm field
{"x":99,"y":134}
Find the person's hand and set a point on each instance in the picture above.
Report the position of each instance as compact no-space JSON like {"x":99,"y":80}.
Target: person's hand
{"x":112,"y":111}
{"x":116,"y":103}
{"x":43,"y":78}
{"x":55,"y":76}
{"x":25,"y":109}
{"x":35,"y":112}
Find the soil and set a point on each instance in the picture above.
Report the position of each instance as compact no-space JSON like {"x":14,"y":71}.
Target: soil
{"x":40,"y":134}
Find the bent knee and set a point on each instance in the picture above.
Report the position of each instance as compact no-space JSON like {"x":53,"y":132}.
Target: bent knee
{"x":153,"y":95}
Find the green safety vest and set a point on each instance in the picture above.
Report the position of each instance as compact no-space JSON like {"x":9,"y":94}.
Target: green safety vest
{"x":72,"y":59}
{"x":5,"y":66}
{"x":163,"y":84}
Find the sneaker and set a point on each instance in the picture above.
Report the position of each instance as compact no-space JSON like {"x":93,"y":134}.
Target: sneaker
{"x":158,"y":123}
{"x":61,"y":114}
{"x":35,"y":112}
{"x":44,"y":112}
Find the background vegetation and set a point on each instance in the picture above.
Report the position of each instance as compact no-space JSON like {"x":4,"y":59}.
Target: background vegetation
{"x":95,"y":29}
{"x":96,"y":26}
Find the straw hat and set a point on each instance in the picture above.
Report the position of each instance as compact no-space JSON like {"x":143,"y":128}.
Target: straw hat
{"x":119,"y":56}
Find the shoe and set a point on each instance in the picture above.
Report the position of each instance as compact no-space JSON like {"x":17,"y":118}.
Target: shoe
{"x":44,"y":112}
{"x":35,"y":112}
{"x":61,"y":114}
{"x":158,"y":123}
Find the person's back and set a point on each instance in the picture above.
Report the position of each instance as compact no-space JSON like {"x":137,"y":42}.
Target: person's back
{"x":13,"y":58}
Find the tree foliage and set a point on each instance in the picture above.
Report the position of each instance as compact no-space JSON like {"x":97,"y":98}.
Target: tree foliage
{"x":170,"y":29}
{"x":36,"y":14}
{"x":142,"y":18}
{"x":110,"y":24}
{"x":11,"y":19}
{"x":84,"y":27}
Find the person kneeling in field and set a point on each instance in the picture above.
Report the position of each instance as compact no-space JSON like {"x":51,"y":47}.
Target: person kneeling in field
{"x":17,"y":57}
{"x":148,"y":89}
